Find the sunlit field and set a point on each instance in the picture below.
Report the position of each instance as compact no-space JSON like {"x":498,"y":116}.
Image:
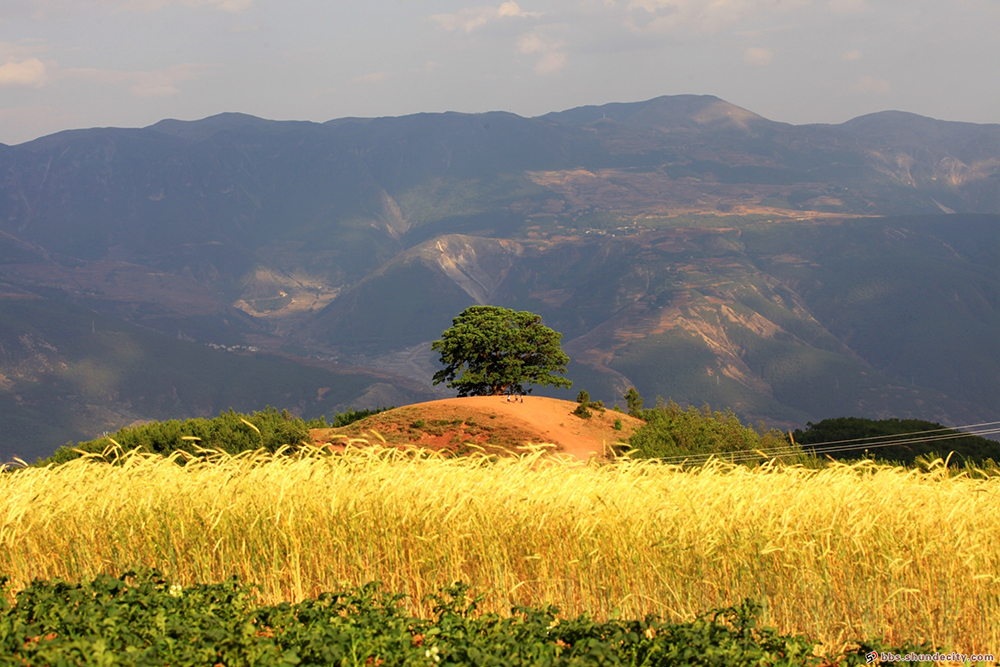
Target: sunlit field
{"x":837,"y":554}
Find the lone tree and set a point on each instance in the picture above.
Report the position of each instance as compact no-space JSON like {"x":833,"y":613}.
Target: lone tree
{"x":634,"y":401}
{"x":489,"y":351}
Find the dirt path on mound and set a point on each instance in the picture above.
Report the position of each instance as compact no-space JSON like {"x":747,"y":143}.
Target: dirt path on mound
{"x":491,"y":421}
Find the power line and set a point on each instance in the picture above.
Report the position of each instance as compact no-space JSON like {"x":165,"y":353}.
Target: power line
{"x":936,"y":430}
{"x":908,"y":441}
{"x":904,"y":438}
{"x":820,"y":450}
{"x":846,"y":448}
{"x":899,"y":439}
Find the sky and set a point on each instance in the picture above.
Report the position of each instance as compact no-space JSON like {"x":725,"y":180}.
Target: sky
{"x":68,"y":64}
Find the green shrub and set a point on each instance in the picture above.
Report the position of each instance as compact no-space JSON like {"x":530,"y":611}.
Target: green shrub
{"x":673,"y":433}
{"x":230,"y":432}
{"x":873,"y":440}
{"x":634,"y":401}
{"x":345,"y":418}
{"x":585,"y":404}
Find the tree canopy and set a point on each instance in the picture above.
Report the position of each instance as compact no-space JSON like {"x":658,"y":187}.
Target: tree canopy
{"x":874,"y":439}
{"x":491,"y":351}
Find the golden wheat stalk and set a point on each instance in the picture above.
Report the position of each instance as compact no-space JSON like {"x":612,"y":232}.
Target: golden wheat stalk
{"x":841,"y":553}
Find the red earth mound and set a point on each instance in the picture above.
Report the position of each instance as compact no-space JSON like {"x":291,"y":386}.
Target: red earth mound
{"x":491,"y":423}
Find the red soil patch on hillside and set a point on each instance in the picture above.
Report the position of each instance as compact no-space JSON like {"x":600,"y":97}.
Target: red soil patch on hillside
{"x":491,"y":423}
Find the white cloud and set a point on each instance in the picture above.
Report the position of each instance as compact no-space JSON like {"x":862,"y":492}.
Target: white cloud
{"x":869,"y":84}
{"x":756,"y":55}
{"x":233,"y":5}
{"x":551,"y":58}
{"x":20,"y":50}
{"x":374,"y":77}
{"x":30,"y":72}
{"x":848,"y":6}
{"x":157,"y":83}
{"x":154,"y":5}
{"x":702,"y":16}
{"x":48,"y":9}
{"x":91,"y":75}
{"x":161,"y":83}
{"x":551,"y":62}
{"x":476,"y":17}
{"x":379,"y":77}
{"x":849,"y":56}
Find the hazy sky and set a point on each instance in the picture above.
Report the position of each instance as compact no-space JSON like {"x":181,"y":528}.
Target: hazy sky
{"x":84,"y":63}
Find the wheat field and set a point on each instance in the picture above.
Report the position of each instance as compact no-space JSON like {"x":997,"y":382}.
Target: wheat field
{"x":846,"y":552}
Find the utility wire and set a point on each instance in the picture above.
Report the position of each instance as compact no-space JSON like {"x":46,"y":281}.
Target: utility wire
{"x":900,"y":439}
{"x":741,"y":456}
{"x":949,"y":432}
{"x":745,"y":455}
{"x":961,"y":429}
{"x":817,"y":450}
{"x":832,"y":446}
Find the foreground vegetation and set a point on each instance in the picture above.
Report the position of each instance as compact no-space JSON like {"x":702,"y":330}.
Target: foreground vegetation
{"x":144,"y":620}
{"x":835,"y":554}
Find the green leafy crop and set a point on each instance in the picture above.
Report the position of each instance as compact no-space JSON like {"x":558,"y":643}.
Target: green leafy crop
{"x":141,"y":619}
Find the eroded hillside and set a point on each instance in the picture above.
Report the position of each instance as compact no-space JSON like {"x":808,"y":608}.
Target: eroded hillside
{"x":682,"y":245}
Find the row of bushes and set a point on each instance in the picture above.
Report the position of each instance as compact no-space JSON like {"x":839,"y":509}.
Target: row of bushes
{"x":231,"y":432}
{"x":143,"y":620}
{"x":670,"y":433}
{"x":676,"y":434}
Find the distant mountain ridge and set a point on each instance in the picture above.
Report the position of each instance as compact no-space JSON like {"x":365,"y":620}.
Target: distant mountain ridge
{"x":668,"y":113}
{"x":682,"y":244}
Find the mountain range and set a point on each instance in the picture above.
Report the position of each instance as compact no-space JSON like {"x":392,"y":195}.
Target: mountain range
{"x":683,"y":245}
